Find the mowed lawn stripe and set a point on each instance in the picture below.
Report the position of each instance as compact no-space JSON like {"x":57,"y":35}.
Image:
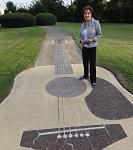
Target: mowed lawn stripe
{"x":19,"y":49}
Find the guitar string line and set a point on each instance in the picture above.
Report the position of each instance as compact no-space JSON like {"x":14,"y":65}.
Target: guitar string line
{"x":58,"y":110}
{"x":71,"y":108}
{"x":68,"y":116}
{"x":67,"y":99}
{"x":71,"y":118}
{"x":76,"y":110}
{"x":59,"y":98}
{"x":71,"y":112}
{"x":87,"y":133}
{"x":76,"y":134}
{"x":63,"y":110}
{"x":64,"y":118}
{"x":67,"y":106}
{"x":81,"y":112}
{"x":57,"y":76}
{"x":77,"y":115}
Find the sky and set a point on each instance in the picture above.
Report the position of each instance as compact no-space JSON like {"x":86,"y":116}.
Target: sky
{"x":25,"y":2}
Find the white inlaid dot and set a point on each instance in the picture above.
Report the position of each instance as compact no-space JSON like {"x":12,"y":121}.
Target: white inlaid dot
{"x":81,"y":135}
{"x":70,"y":135}
{"x":76,"y":135}
{"x":87,"y":134}
{"x":59,"y":136}
{"x":64,"y":136}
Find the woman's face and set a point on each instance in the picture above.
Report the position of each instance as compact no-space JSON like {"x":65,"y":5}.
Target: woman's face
{"x":87,"y":15}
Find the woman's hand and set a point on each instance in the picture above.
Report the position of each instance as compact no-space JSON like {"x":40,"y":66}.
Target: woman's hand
{"x":82,"y":41}
{"x":90,"y":41}
{"x":87,"y":41}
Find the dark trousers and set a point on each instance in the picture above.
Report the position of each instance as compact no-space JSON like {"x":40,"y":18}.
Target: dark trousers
{"x":89,"y":57}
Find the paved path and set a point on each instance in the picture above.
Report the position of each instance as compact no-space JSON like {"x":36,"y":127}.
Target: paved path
{"x":50,"y":109}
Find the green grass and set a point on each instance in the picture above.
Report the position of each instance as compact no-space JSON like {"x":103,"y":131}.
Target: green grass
{"x":19,"y":49}
{"x":115,"y":49}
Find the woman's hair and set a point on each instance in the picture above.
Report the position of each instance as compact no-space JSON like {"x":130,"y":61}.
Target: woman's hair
{"x":87,"y":8}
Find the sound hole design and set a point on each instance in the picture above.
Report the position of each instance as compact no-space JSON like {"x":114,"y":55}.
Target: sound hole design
{"x":73,"y":138}
{"x":66,"y":87}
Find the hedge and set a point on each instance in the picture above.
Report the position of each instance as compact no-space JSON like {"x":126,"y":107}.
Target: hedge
{"x":17,"y":20}
{"x":45,"y":19}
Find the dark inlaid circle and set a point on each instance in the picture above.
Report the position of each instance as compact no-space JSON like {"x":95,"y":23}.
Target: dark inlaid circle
{"x":66,"y":87}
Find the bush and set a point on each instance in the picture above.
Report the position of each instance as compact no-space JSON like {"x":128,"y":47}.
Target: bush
{"x":17,"y":20}
{"x":45,"y":19}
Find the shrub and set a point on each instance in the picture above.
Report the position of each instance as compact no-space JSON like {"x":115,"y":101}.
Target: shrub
{"x":17,"y":20}
{"x":45,"y":19}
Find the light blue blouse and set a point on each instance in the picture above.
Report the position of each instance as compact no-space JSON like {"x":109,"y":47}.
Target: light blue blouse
{"x":92,"y":30}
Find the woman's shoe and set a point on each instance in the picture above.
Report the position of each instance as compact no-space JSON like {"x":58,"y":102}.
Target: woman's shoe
{"x":82,"y":77}
{"x":93,"y":84}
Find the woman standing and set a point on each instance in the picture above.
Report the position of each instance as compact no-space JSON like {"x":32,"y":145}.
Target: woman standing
{"x":90,"y":32}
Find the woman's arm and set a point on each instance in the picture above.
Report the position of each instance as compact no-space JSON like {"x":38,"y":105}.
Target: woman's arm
{"x":98,"y":30}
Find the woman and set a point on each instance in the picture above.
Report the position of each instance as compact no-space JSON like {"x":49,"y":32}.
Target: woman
{"x":90,"y":32}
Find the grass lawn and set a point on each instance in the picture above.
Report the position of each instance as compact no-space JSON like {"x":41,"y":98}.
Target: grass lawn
{"x":115,"y":49}
{"x":19,"y":49}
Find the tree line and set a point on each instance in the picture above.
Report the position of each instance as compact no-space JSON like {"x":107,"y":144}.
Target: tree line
{"x":105,"y":11}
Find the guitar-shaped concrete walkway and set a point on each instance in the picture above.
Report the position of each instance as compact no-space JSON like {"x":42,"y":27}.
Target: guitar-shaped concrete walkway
{"x":49,"y":108}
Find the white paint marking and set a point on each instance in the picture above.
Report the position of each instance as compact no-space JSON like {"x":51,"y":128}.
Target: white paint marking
{"x":72,"y":130}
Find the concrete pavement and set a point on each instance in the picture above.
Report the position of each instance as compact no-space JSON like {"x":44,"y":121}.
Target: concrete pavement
{"x":49,"y":108}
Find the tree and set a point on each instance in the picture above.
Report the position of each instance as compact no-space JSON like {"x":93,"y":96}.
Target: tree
{"x":98,"y":6}
{"x":37,"y":7}
{"x":10,"y":7}
{"x":22,"y":10}
{"x":114,"y":10}
{"x":55,"y":7}
{"x":127,"y":11}
{"x":71,"y":12}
